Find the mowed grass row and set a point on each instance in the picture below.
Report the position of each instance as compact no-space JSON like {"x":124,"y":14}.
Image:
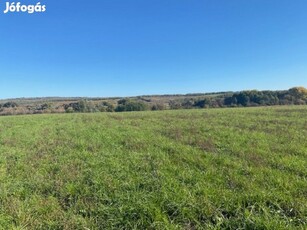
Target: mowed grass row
{"x":241,"y":168}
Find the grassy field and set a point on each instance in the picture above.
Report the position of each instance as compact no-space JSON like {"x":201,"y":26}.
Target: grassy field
{"x":241,"y":168}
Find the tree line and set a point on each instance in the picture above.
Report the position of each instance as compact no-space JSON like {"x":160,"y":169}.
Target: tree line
{"x":293,"y":96}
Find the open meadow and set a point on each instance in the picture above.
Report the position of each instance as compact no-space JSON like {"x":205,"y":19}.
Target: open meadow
{"x":232,"y":168}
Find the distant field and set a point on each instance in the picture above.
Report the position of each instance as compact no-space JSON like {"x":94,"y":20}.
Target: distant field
{"x":240,"y":168}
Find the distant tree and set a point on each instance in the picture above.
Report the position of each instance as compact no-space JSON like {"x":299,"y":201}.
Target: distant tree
{"x":123,"y":101}
{"x":106,"y":107}
{"x":228,"y":101}
{"x":298,"y":92}
{"x":130,"y":105}
{"x":69,"y":110}
{"x":10,"y":105}
{"x":242,"y":98}
{"x":203,"y":103}
{"x":44,"y":106}
{"x":158,"y":107}
{"x":82,"y":106}
{"x":173,"y":104}
{"x":187,"y":103}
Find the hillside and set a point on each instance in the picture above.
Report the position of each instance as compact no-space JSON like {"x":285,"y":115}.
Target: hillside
{"x":293,"y":96}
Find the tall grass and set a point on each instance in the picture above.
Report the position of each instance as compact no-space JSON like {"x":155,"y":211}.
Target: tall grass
{"x":242,"y":168}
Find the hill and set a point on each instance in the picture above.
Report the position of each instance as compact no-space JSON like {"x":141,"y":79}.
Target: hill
{"x":293,"y":96}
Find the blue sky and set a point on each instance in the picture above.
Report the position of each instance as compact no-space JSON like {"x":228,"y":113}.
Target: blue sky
{"x":137,"y":47}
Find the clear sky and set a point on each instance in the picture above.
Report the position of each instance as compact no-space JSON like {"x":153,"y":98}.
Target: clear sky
{"x":137,"y":47}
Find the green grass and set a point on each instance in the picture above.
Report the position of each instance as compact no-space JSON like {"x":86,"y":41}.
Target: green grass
{"x":243,"y":168}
